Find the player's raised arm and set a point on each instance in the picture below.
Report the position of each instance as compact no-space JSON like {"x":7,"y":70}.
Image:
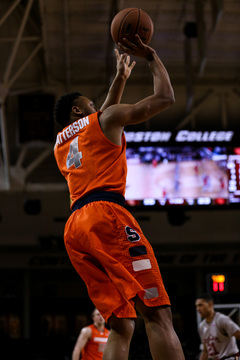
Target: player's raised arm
{"x":163,"y":94}
{"x":124,"y":68}
{"x":121,"y":115}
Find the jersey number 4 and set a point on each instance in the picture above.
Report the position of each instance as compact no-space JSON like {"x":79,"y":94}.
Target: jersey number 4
{"x":74,"y":155}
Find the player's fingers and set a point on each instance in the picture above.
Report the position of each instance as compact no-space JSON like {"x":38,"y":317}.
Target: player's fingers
{"x":138,"y":40}
{"x":129,"y":44}
{"x":117,"y":54}
{"x":132,"y":65}
{"x":127,"y":60}
{"x":122,"y":47}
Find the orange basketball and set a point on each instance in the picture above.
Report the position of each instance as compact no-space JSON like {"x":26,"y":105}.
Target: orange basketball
{"x":129,"y":22}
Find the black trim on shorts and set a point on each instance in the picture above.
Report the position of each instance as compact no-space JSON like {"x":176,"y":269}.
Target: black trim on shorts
{"x":137,"y":251}
{"x":99,"y":196}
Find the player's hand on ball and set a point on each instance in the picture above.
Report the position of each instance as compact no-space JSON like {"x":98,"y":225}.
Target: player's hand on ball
{"x":138,"y":48}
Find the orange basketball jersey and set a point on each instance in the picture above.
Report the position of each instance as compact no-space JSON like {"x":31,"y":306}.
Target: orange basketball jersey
{"x":95,"y":346}
{"x":88,"y":160}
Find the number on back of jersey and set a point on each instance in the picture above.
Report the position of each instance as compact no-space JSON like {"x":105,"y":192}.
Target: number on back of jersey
{"x":74,"y":155}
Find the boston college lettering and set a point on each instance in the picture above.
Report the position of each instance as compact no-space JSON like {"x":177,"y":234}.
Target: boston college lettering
{"x":204,"y":136}
{"x":181,"y":136}
{"x":71,"y":130}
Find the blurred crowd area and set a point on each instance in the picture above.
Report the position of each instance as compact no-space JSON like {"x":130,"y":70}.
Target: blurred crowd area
{"x":53,"y":340}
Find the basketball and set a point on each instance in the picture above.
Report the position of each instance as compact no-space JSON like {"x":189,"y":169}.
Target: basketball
{"x":129,"y":22}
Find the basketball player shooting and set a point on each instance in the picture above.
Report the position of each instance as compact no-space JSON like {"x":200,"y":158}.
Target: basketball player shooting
{"x":104,"y":242}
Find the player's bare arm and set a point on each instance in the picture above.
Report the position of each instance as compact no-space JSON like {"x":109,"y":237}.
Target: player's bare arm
{"x":204,"y":354}
{"x":124,"y":69}
{"x":82,"y":340}
{"x":163,"y":95}
{"x":114,"y":118}
{"x":237,"y":334}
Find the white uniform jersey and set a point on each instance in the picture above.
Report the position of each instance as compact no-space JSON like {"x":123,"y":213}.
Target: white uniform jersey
{"x":217,"y":336}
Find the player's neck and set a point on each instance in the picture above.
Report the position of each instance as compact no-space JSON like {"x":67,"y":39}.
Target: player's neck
{"x":100,"y":327}
{"x":210,"y":317}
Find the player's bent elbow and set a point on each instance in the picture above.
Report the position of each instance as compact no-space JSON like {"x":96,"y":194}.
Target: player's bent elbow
{"x":171,"y":96}
{"x":171,"y":99}
{"x":168,"y":101}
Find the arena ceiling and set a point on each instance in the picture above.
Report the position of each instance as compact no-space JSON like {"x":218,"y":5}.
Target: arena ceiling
{"x":51,"y":47}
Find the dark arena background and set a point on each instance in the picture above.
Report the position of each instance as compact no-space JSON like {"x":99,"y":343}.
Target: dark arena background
{"x":183,"y":182}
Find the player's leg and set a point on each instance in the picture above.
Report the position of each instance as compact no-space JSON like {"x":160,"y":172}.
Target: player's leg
{"x":119,"y":339}
{"x":163,"y":341}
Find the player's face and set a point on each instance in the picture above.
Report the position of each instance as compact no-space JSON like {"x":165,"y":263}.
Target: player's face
{"x":203,"y":307}
{"x":86,"y":106}
{"x":97,"y":317}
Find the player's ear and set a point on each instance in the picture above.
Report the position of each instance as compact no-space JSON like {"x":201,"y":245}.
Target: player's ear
{"x":211,"y":303}
{"x":76,"y":110}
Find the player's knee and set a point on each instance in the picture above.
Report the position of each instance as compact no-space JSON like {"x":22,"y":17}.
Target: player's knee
{"x":124,"y":327}
{"x":158,"y":315}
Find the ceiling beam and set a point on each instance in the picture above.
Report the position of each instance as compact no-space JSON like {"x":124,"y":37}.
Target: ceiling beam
{"x":23,"y":39}
{"x":217,"y":8}
{"x":5,"y":147}
{"x":188,"y":118}
{"x":38,"y":161}
{"x":189,"y":73}
{"x":17,"y":43}
{"x":10,"y":10}
{"x":114,"y":8}
{"x":67,"y":45}
{"x":201,"y":34}
{"x":24,"y":65}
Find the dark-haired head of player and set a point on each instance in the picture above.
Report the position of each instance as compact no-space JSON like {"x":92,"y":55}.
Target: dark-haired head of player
{"x":72,"y":106}
{"x":204,"y":305}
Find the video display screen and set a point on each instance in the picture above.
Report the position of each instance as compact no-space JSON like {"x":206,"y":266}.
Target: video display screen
{"x":187,"y":172}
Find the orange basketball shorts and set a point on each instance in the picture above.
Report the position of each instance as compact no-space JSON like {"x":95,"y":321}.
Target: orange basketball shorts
{"x":109,"y":251}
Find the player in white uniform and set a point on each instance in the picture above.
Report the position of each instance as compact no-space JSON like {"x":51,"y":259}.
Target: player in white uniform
{"x":218,"y":332}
